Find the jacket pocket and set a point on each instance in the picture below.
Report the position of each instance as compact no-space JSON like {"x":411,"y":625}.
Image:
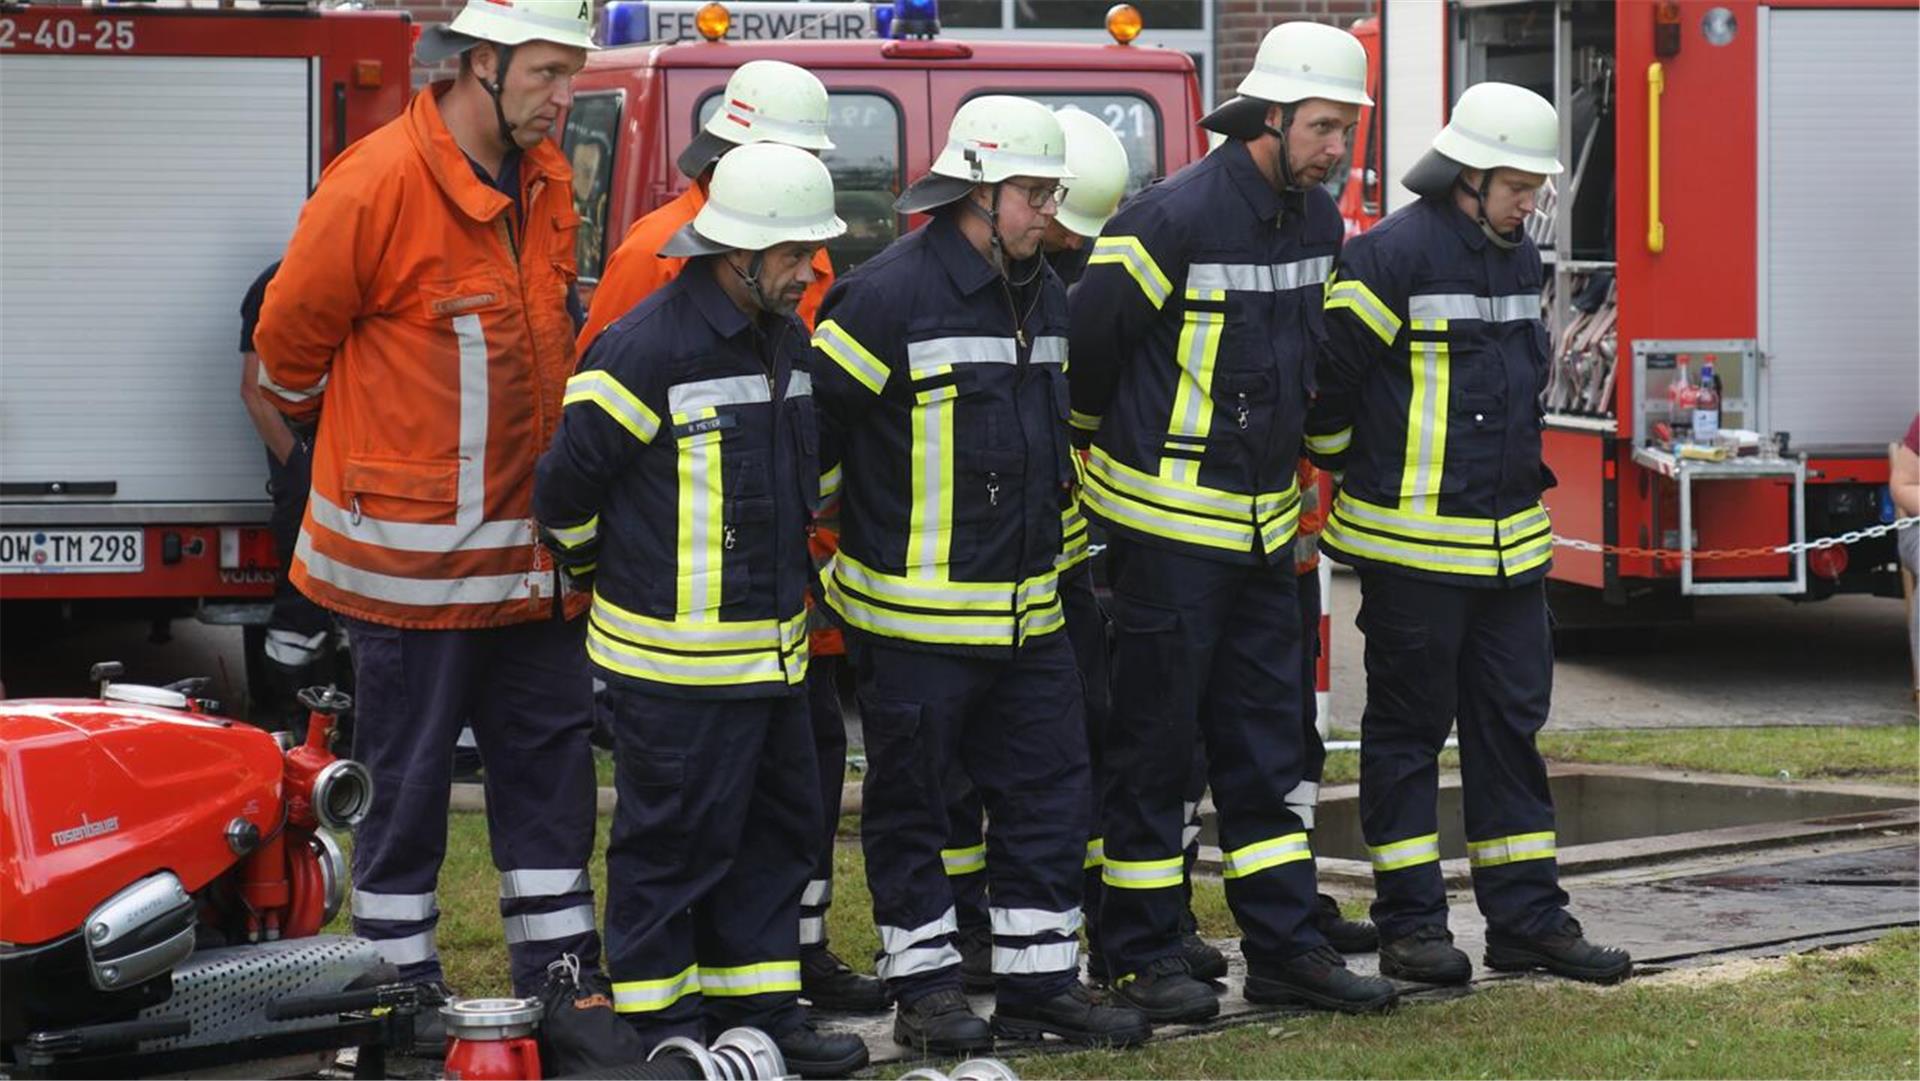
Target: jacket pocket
{"x":401,"y":489}
{"x":806,"y":445}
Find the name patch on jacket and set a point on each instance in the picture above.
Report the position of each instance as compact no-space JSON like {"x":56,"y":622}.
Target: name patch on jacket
{"x":458,"y":305}
{"x":710,"y":424}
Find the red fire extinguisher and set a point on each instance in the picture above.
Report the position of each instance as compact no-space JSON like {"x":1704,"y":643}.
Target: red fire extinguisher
{"x":491,"y":1039}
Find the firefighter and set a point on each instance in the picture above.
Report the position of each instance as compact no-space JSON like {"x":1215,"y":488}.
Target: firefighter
{"x":682,"y":479}
{"x":423,"y":298}
{"x":1429,"y":402}
{"x":295,"y":640}
{"x":765,"y":101}
{"x":1193,"y":330}
{"x":1098,"y":162}
{"x":939,"y":365}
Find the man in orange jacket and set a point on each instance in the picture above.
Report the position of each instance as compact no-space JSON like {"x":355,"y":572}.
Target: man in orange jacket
{"x":425,"y":297}
{"x":766,"y":101}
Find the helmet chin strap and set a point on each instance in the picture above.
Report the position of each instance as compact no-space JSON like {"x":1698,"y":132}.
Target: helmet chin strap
{"x":1002,"y":263}
{"x":1499,"y":239}
{"x":503,"y":55}
{"x":1284,"y":157}
{"x":750,"y":278}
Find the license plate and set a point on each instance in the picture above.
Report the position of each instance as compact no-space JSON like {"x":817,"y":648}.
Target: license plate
{"x":60,"y":551}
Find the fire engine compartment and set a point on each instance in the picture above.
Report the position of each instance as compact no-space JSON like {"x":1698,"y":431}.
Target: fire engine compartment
{"x":1687,"y":220}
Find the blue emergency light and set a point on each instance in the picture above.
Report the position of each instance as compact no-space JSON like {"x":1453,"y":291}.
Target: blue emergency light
{"x":914,"y":19}
{"x":623,"y":22}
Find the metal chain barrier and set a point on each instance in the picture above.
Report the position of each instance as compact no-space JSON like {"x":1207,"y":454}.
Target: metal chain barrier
{"x":1737,"y":553}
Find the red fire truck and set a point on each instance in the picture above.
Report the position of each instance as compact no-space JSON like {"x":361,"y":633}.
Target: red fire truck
{"x":1739,"y":190}
{"x":640,"y":101}
{"x":155,"y":163}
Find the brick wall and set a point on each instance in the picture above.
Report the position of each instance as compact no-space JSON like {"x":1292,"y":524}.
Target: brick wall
{"x":1238,"y":26}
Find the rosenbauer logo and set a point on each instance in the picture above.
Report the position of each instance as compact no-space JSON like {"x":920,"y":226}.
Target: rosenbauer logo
{"x":85,"y":831}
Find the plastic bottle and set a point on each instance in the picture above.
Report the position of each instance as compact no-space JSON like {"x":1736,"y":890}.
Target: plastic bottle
{"x":1680,"y":400}
{"x":1706,"y":408}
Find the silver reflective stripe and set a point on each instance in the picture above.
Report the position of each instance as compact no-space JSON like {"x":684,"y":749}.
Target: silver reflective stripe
{"x":936,"y":352}
{"x":393,"y":906}
{"x":546,"y":926}
{"x":1188,"y":835}
{"x":1366,"y":515}
{"x":939,"y":595}
{"x":421,"y":592}
{"x":1513,"y":308}
{"x":897,"y":940}
{"x":905,"y":626}
{"x":1049,"y":349}
{"x":411,"y":950}
{"x":422,"y":536}
{"x":1190,"y":811}
{"x":799,"y":384}
{"x":264,"y":383}
{"x":1034,"y":921}
{"x":710,"y":393}
{"x":1259,"y":277}
{"x":813,"y":930}
{"x":1049,"y":957}
{"x":1359,"y":544}
{"x":470,"y":508}
{"x":1303,"y":801}
{"x":292,"y":648}
{"x":646,"y":661}
{"x":818,"y":892}
{"x":895,"y":966}
{"x":543,"y":882}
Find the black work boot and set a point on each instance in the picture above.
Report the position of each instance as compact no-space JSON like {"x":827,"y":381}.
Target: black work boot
{"x":1565,"y":952}
{"x":1319,"y":978}
{"x":831,"y":984}
{"x":812,"y":1053}
{"x":1425,"y":955}
{"x":1075,"y":1017}
{"x":941,"y":1024}
{"x":1343,"y":934}
{"x":1204,"y":960}
{"x":976,"y":958}
{"x":1166,"y":993}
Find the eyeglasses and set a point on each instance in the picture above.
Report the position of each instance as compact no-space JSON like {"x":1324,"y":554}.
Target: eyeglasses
{"x":1038,"y":197}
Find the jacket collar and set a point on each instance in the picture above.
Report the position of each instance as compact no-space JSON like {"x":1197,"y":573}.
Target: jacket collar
{"x":1237,"y":160}
{"x":722,"y":314}
{"x":1458,"y":223}
{"x":452,"y":171}
{"x":967,"y":267}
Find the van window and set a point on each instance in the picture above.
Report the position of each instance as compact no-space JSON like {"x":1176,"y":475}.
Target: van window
{"x":866,"y":165}
{"x":592,"y":126}
{"x":1133,"y":118}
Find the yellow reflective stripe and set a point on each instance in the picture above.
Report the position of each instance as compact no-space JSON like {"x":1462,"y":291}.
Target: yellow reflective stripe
{"x":942,"y":594}
{"x":1342,"y":536}
{"x":1042,"y":615}
{"x":832,"y":339}
{"x":700,"y":533}
{"x":1408,"y":853}
{"x":1096,"y":854}
{"x":1476,"y":532}
{"x":1511,"y":849}
{"x":575,"y":536}
{"x":1527,"y":556}
{"x":646,"y":996}
{"x":964,"y":861}
{"x":602,"y":389}
{"x":1191,"y":513}
{"x":1260,"y":855}
{"x":1142,"y":874}
{"x":1129,"y":254}
{"x":700,"y":636}
{"x":830,"y":483}
{"x":1353,"y":295}
{"x":1192,"y":414}
{"x":738,"y":980}
{"x":768,"y":662}
{"x":1426,"y":451}
{"x":1074,"y":548}
{"x":930,"y":529}
{"x":1086,"y":422}
{"x":1330,"y":442}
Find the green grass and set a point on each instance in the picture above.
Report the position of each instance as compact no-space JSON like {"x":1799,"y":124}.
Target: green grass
{"x":1886,"y":754}
{"x":1821,"y":1015}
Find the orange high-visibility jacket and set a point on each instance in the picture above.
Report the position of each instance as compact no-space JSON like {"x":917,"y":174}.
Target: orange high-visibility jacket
{"x":636,"y":267}
{"x":436,"y":331}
